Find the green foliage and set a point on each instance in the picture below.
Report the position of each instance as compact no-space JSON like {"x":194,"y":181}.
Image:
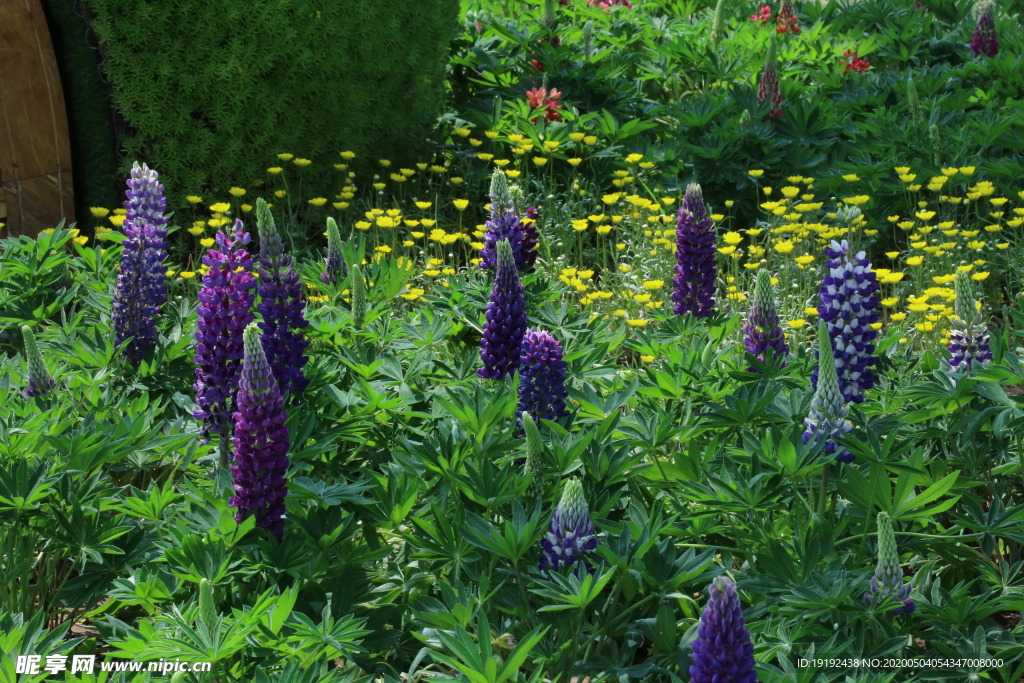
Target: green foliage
{"x":203,"y":90}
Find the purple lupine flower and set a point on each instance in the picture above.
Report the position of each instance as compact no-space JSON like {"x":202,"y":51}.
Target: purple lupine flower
{"x":887,"y":585}
{"x":261,"y":440}
{"x":140,"y":289}
{"x":146,"y":203}
{"x":968,"y":340}
{"x":542,"y":390}
{"x":827,"y":417}
{"x":848,"y":304}
{"x":504,"y":224}
{"x":768,"y":89}
{"x":506,"y":319}
{"x":282,"y":307}
{"x":762,"y":331}
{"x":571,"y":538}
{"x":335,"y":269}
{"x":224,"y":309}
{"x":722,"y":652}
{"x":39,"y":380}
{"x":983,"y":40}
{"x":696,"y":268}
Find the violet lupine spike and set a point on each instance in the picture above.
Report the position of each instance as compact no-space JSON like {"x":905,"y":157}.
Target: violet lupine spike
{"x":224,"y":311}
{"x":503,"y":224}
{"x":769,"y":89}
{"x":763,"y":330}
{"x":282,"y":308}
{"x":506,"y":320}
{"x":848,"y":305}
{"x":39,"y":380}
{"x":827,"y":418}
{"x":140,"y":289}
{"x":542,"y":391}
{"x":696,"y":267}
{"x":984,"y":40}
{"x":968,"y":340}
{"x":146,"y":203}
{"x":571,"y":538}
{"x":261,"y":440}
{"x":722,"y":652}
{"x":887,"y":583}
{"x":335,"y":269}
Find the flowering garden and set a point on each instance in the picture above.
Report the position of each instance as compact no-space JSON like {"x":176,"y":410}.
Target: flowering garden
{"x":693,"y":353}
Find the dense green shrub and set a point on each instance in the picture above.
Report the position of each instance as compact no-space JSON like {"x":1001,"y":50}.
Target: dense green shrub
{"x":209,"y":94}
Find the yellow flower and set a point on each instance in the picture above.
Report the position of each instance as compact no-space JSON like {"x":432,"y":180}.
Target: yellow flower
{"x":790,"y":192}
{"x":285,"y":156}
{"x":208,"y":242}
{"x":170,"y":273}
{"x":539,"y":161}
{"x":967,"y":170}
{"x":463,"y":131}
{"x":502,"y":162}
{"x":1003,"y":245}
{"x":851,"y":177}
{"x":634,"y":158}
{"x":483,"y":156}
{"x":460,"y":204}
{"x":804,"y":260}
{"x":898,"y":316}
{"x":979,"y":276}
{"x":437,"y":169}
{"x":892,"y":254}
{"x":925,"y":215}
{"x":302,"y":162}
{"x":654,"y":284}
{"x":636,"y":322}
{"x":347,"y":155}
{"x":646,"y":358}
{"x":732,"y":238}
{"x":590,"y":139}
{"x":363,"y":225}
{"x":427,"y":222}
{"x":766,"y":190}
{"x":513,"y":174}
{"x":236,"y":191}
{"x":575,"y":161}
{"x":797,"y":324}
{"x":246,"y":208}
{"x":902,"y":170}
{"x":625,"y":268}
{"x":197,"y":229}
{"x":281,"y":193}
{"x":456,"y":180}
{"x":908,"y":177}
{"x":339,"y":205}
{"x":220,"y":207}
{"x":98,"y":211}
{"x":915,"y":260}
{"x":810,"y":310}
{"x":580,"y":225}
{"x":857,"y":201}
{"x":318,"y":201}
{"x":117,"y":219}
{"x":187,"y":274}
{"x":783,"y":247}
{"x":576,"y":137}
{"x":192,"y":199}
{"x":755,"y":174}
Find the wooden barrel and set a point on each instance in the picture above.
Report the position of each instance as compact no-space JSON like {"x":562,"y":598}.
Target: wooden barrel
{"x":35,"y":151}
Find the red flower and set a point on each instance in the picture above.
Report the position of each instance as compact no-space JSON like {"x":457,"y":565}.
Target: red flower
{"x":537,"y":65}
{"x":539,"y":98}
{"x":764,"y":17}
{"x":855,"y":64}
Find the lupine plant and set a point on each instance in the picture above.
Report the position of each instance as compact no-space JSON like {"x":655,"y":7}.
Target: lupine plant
{"x":506,"y":319}
{"x":505,"y":225}
{"x":722,"y":652}
{"x":571,"y":539}
{"x":39,"y":379}
{"x":827,"y":418}
{"x":887,"y":585}
{"x":281,"y":307}
{"x":762,"y":330}
{"x":261,"y":440}
{"x":531,"y":463}
{"x":334,"y":264}
{"x":696,"y":268}
{"x":542,"y":390}
{"x":968,"y":340}
{"x":768,"y":89}
{"x":225,"y":309}
{"x":984,"y":40}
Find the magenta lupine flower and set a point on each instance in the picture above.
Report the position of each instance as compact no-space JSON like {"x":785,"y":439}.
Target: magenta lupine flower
{"x":282,"y":308}
{"x":887,"y":585}
{"x":968,"y":340}
{"x":722,"y":652}
{"x":504,"y":225}
{"x":224,"y":310}
{"x":848,"y":304}
{"x":542,"y":389}
{"x":984,"y":40}
{"x":762,"y":331}
{"x":571,"y":538}
{"x":261,"y":441}
{"x":769,"y":89}
{"x":506,"y":319}
{"x":696,"y":268}
{"x":141,"y":287}
{"x":39,"y":380}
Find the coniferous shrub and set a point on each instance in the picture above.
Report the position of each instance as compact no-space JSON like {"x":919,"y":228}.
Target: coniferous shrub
{"x":210,"y":92}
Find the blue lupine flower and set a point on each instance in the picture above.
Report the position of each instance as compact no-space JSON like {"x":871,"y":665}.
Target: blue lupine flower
{"x":762,"y":331}
{"x":696,"y":268}
{"x":542,"y":389}
{"x":571,"y":538}
{"x":722,"y":652}
{"x":506,"y":320}
{"x":968,"y":340}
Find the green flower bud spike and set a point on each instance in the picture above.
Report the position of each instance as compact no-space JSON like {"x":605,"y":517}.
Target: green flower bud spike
{"x":912,"y":100}
{"x":501,"y":198}
{"x":207,"y":607}
{"x":358,"y":296}
{"x":534,"y":453}
{"x":39,"y":380}
{"x":718,"y":25}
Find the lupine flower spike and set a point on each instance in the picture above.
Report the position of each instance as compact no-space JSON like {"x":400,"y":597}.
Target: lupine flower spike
{"x":722,"y":652}
{"x":282,"y":308}
{"x":827,"y":417}
{"x":787,"y":21}
{"x":848,"y":304}
{"x":358,"y":296}
{"x":968,"y":340}
{"x":887,"y":585}
{"x":542,"y":389}
{"x":506,"y":319}
{"x":571,"y":538}
{"x":225,"y":309}
{"x":696,"y":267}
{"x":39,"y":380}
{"x":334,"y":266}
{"x":261,"y":441}
{"x":769,"y":86}
{"x":762,"y":331}
{"x":984,"y":40}
{"x":141,"y":287}
{"x":504,"y":224}
{"x":531,"y":463}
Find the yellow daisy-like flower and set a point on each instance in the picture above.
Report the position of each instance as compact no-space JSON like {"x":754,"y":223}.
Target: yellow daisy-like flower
{"x":590,"y":140}
{"x":902,"y":170}
{"x":363,"y":225}
{"x":580,"y":225}
{"x":117,"y":219}
{"x":220,"y":207}
{"x":575,"y":161}
{"x":654,"y":284}
{"x":460,"y":204}
{"x":347,"y":155}
{"x":898,"y":316}
{"x":463,"y":131}
{"x":851,"y":177}
{"x":797,"y":324}
{"x":576,"y":137}
{"x":318,"y":201}
{"x":755,"y":173}
{"x":302,"y":162}
{"x":810,"y":310}
{"x":339,"y":205}
{"x":908,"y":177}
{"x":646,"y":359}
{"x":637,"y":322}
{"x":967,"y":170}
{"x":98,"y":211}
{"x":483,"y":156}
{"x":539,"y":161}
{"x":979,"y":276}
{"x":915,"y":260}
{"x":285,"y":156}
{"x":925,"y":215}
{"x":197,"y":229}
{"x":456,"y":180}
{"x":513,"y":174}
{"x":1003,"y":245}
{"x":804,"y":260}
{"x":208,"y":242}
{"x":427,"y":222}
{"x":732,"y":238}
{"x":783,"y":247}
{"x":856,"y":201}
{"x":501,"y":163}
{"x":236,"y":191}
{"x":634,"y":158}
{"x":192,"y":199}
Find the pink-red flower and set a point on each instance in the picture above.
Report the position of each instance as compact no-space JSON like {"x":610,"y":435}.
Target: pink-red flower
{"x":764,"y":17}
{"x":855,"y":63}
{"x":542,"y":98}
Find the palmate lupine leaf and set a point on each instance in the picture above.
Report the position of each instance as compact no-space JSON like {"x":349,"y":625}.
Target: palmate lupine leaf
{"x":570,"y":591}
{"x":473,"y":657}
{"x":519,"y":535}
